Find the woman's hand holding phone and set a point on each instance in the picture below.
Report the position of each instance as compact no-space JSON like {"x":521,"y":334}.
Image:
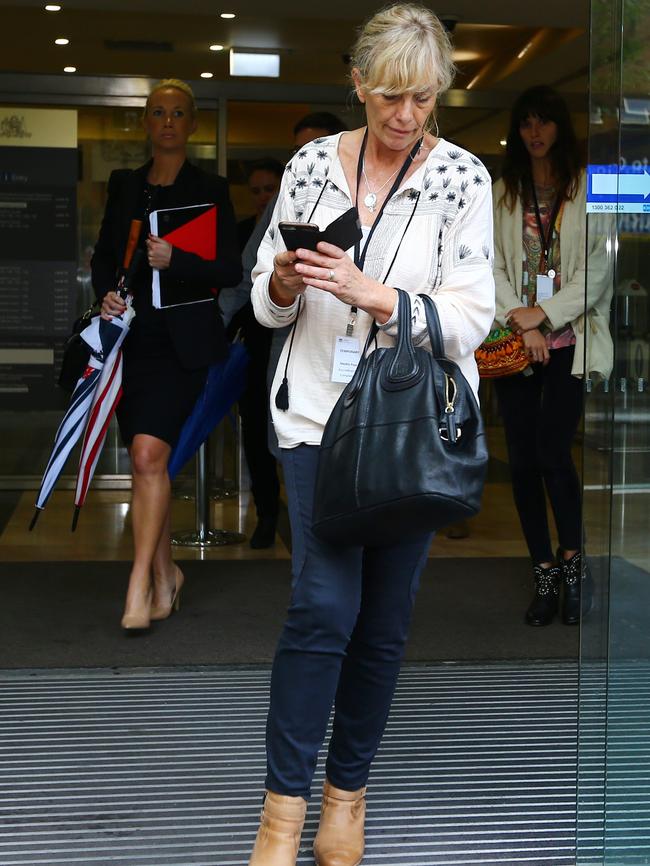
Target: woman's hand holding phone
{"x":285,"y":283}
{"x":330,"y":269}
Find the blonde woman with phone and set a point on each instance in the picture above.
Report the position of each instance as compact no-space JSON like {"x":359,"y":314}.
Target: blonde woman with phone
{"x":425,"y":214}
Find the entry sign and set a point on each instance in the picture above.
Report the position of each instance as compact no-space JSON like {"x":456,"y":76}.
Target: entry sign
{"x":618,"y":189}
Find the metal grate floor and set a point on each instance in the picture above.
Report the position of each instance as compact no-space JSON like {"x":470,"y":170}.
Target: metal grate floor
{"x":478,"y":766}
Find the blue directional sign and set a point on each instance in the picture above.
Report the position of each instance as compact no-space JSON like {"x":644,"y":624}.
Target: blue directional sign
{"x":618,"y":189}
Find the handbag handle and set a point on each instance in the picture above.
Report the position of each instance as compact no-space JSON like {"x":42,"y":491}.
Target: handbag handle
{"x":404,"y":370}
{"x":404,"y":366}
{"x":433,"y":327}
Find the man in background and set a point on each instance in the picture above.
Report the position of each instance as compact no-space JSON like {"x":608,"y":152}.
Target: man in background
{"x":264,"y":178}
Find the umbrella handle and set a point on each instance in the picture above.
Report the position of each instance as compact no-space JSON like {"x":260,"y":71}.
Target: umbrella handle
{"x":132,"y":242}
{"x":124,"y":285}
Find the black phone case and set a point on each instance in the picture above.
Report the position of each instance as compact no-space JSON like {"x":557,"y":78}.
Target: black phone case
{"x":296,"y":237}
{"x":343,"y":232}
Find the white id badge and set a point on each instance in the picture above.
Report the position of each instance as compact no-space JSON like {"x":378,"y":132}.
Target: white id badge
{"x":544,"y":287}
{"x":347,"y":351}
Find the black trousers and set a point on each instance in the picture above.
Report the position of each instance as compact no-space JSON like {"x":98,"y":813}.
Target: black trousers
{"x":541,"y":413}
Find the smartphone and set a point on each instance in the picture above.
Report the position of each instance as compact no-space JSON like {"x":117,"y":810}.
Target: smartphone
{"x":299,"y":235}
{"x":343,"y":232}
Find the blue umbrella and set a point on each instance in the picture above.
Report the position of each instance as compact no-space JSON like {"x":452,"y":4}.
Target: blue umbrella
{"x":224,"y":386}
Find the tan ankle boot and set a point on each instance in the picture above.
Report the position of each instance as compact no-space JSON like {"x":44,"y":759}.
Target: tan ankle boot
{"x":278,"y":837}
{"x":340,"y":837}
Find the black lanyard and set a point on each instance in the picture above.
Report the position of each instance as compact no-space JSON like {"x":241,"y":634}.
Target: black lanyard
{"x":282,"y":395}
{"x":545,"y":239}
{"x":360,"y":254}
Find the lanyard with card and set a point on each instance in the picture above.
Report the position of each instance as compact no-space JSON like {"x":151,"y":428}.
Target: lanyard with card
{"x":347,"y":349}
{"x":546,"y":274}
{"x":345,"y":358}
{"x":360,"y":254}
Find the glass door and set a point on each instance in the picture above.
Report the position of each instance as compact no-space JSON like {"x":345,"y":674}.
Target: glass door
{"x":614,"y":734}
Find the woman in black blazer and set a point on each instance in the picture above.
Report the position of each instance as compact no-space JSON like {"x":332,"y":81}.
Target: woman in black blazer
{"x":167,"y":351}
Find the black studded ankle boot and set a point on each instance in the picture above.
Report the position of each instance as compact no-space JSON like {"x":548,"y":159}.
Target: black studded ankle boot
{"x":573,"y":584}
{"x":547,"y":595}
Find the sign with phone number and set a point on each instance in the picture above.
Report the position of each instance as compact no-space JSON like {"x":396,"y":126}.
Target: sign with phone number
{"x":618,"y":189}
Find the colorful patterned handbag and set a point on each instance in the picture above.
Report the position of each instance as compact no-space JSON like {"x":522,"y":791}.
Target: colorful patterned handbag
{"x":501,"y":354}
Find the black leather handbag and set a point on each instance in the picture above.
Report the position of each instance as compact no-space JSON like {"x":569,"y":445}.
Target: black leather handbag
{"x":404,"y":450}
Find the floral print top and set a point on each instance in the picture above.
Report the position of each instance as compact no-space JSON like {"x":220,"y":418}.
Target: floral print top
{"x":532,"y":254}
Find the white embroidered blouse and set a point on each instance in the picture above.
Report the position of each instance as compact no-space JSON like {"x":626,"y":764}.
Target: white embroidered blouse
{"x":445,"y":251}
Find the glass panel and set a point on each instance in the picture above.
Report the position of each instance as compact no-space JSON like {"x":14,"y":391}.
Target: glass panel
{"x":614,"y":748}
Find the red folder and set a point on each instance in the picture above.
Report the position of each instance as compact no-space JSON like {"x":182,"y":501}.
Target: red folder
{"x":194,"y":230}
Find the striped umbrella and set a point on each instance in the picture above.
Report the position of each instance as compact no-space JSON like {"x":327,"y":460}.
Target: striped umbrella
{"x":107,"y":394}
{"x":67,"y":435}
{"x":104,"y":339}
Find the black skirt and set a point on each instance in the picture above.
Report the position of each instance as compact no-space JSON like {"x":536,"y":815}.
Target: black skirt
{"x":158,"y":394}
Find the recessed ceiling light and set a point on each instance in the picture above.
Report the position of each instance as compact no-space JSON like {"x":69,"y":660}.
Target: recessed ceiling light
{"x":258,"y":64}
{"x":227,"y":14}
{"x":62,"y":41}
{"x":52,"y":7}
{"x":503,"y":142}
{"x":465,"y":56}
{"x":216,"y":48}
{"x":69,"y":68}
{"x":524,"y":50}
{"x":207,"y":74}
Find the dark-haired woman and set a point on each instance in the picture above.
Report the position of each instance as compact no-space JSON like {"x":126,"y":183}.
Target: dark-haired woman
{"x":540,"y":241}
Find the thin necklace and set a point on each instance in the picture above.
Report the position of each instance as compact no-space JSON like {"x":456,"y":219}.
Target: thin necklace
{"x":370,"y":200}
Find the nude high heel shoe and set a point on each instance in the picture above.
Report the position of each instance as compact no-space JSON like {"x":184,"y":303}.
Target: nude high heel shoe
{"x":161,"y":611}
{"x":340,"y":838}
{"x":140,"y":620}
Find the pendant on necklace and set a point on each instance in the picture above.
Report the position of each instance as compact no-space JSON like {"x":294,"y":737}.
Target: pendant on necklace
{"x":370,"y":201}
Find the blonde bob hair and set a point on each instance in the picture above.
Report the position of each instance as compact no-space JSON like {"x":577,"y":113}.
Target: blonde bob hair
{"x":175,"y":84}
{"x":403,"y":48}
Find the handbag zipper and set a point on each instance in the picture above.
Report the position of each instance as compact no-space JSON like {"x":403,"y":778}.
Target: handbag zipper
{"x":450,"y":432}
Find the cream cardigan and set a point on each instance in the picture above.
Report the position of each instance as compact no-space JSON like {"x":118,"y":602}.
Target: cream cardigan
{"x":568,"y":304}
{"x":445,"y":251}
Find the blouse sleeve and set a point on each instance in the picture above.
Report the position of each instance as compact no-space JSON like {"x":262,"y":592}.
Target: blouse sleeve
{"x":464,"y":295}
{"x":266,"y":312}
{"x":225,"y":270}
{"x":507,"y":297}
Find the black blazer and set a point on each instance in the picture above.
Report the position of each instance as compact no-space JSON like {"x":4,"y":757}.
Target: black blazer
{"x":196,"y":330}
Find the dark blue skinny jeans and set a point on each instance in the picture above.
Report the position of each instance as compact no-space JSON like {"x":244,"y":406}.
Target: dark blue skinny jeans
{"x":342,"y":644}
